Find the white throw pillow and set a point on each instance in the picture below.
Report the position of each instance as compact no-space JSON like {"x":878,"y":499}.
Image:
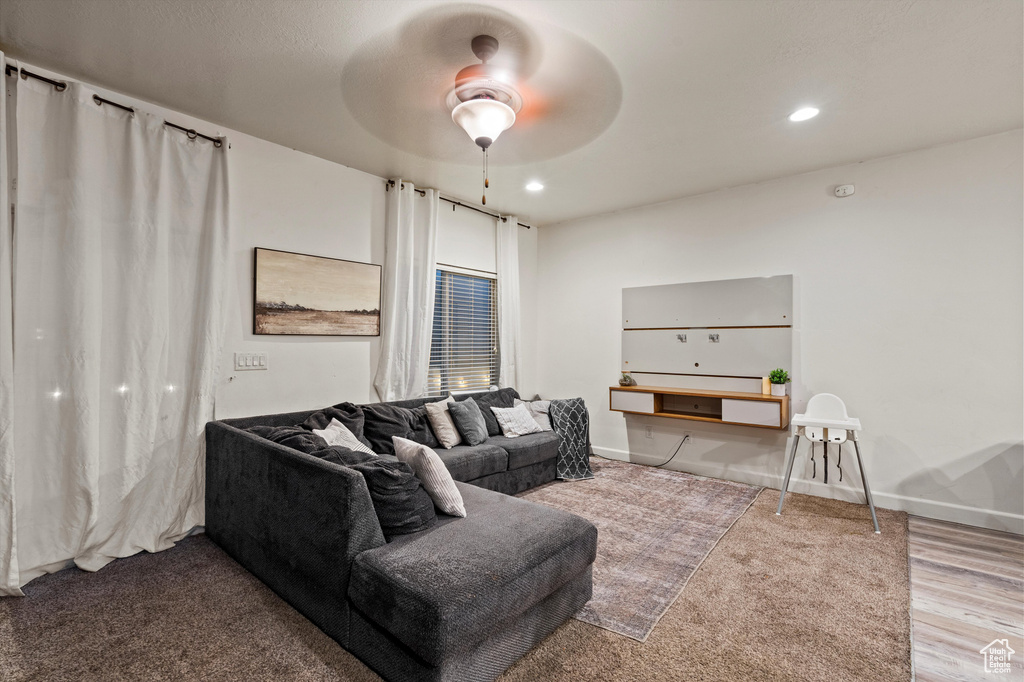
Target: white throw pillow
{"x":442,"y":423}
{"x":516,"y":421}
{"x":433,"y":474}
{"x":337,"y":433}
{"x":539,"y":411}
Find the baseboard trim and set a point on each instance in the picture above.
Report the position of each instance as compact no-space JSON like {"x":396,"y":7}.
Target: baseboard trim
{"x":943,"y":511}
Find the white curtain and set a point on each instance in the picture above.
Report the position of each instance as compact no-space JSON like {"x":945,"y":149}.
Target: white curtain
{"x":9,"y":583}
{"x":119,"y":266}
{"x":509,"y":347}
{"x":408,"y":307}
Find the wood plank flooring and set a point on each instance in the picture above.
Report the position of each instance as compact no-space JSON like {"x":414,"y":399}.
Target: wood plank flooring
{"x":967,"y":589}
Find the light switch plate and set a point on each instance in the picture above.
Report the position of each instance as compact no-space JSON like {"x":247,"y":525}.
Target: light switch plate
{"x":251,"y":361}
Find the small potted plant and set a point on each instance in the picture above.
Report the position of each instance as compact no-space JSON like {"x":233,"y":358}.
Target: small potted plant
{"x":778,"y":377}
{"x":626,"y":379}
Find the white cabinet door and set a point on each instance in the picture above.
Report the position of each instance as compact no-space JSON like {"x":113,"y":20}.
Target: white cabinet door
{"x":756,"y":412}
{"x":633,"y":401}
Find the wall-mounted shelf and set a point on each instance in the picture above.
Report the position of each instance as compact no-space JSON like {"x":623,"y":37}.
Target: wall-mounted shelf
{"x":717,"y":407}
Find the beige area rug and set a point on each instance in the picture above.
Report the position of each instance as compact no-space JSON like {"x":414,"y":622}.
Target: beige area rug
{"x":655,"y":527}
{"x":810,"y":596}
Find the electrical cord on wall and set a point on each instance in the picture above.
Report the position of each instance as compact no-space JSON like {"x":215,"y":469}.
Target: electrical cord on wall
{"x":653,"y":466}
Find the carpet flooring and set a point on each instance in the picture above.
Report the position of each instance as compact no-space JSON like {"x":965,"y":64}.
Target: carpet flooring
{"x":655,"y":527}
{"x":810,"y":595}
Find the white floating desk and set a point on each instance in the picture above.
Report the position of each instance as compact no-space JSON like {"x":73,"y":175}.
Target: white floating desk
{"x":717,"y":407}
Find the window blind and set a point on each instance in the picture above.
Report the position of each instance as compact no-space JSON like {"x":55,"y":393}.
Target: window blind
{"x":464,"y":338}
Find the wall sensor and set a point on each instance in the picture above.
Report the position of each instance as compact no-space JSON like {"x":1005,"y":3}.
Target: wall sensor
{"x":844,"y":190}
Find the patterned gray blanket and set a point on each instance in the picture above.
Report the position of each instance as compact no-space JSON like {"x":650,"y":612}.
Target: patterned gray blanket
{"x":571,"y":422}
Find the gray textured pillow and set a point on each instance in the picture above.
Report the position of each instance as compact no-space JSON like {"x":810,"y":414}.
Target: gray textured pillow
{"x":503,"y":397}
{"x":470,"y":421}
{"x":433,"y":474}
{"x":294,"y":437}
{"x":381,"y":421}
{"x":442,"y":423}
{"x":401,"y":503}
{"x":539,"y":411}
{"x":516,"y":421}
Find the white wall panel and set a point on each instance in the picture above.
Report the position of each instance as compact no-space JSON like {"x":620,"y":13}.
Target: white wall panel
{"x":738,"y":352}
{"x":750,"y":301}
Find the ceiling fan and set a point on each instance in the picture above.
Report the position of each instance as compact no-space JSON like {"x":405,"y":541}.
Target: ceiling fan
{"x":484,"y":101}
{"x":544,"y":90}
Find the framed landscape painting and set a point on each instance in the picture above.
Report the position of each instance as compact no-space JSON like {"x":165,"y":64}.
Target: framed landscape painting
{"x":314,"y":296}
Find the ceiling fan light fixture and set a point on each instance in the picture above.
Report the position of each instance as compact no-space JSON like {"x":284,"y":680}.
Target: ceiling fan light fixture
{"x":484,"y":119}
{"x":484,"y":101}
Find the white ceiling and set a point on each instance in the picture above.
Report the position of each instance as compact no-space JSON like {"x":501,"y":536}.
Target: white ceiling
{"x":643,"y":101}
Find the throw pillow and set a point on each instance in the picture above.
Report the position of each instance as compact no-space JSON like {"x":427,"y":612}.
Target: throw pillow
{"x":501,"y":398}
{"x":539,"y":411}
{"x":294,"y":437}
{"x":420,"y":430}
{"x":399,"y":500}
{"x":516,"y":421}
{"x":337,"y":434}
{"x":469,"y":421}
{"x":382,"y":421}
{"x":442,"y":423}
{"x":351,"y":417}
{"x":433,"y":474}
{"x":343,"y":456}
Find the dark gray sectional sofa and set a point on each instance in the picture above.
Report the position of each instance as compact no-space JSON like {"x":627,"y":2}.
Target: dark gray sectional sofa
{"x":462,"y":600}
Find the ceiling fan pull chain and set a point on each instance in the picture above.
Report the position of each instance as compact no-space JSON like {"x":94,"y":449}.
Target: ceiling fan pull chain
{"x":483,"y":199}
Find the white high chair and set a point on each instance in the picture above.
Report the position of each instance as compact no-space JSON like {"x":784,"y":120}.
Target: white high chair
{"x":826,"y":421}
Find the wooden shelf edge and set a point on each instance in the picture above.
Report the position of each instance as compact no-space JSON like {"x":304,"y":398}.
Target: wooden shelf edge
{"x":696,"y":418}
{"x":736,"y":395}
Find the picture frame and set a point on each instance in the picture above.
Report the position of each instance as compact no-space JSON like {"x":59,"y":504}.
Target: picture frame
{"x":297,"y":294}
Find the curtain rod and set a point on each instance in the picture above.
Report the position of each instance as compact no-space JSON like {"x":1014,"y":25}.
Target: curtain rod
{"x":61,"y":86}
{"x":388,"y":184}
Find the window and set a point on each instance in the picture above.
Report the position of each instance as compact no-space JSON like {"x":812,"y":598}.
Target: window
{"x":464,"y":340}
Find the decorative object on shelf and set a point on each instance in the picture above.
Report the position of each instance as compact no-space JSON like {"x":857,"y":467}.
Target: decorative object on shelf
{"x":626,"y":379}
{"x":484,"y":103}
{"x":779,"y":377}
{"x":766,"y":386}
{"x":297,"y":294}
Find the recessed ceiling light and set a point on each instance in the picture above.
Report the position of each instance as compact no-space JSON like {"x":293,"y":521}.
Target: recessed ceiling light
{"x":535,"y":186}
{"x":803,"y":114}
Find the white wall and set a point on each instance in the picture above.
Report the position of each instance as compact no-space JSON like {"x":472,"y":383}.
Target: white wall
{"x":288,"y":200}
{"x":908,"y":304}
{"x":283,"y":199}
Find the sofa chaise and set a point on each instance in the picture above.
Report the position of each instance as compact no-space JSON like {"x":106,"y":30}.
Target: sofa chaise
{"x":461,"y":600}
